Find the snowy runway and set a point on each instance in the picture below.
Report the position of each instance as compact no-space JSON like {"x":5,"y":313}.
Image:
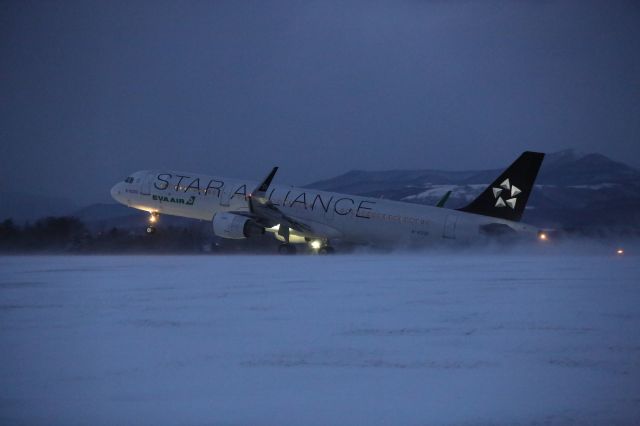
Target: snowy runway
{"x":396,"y":339}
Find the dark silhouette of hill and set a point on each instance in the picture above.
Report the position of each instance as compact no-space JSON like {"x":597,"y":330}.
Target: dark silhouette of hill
{"x":585,"y":193}
{"x":573,"y":190}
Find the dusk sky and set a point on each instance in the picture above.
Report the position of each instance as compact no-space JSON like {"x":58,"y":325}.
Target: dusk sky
{"x":91,"y":91}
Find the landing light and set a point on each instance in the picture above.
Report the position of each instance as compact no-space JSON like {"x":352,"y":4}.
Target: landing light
{"x":316,"y":244}
{"x":620,"y":252}
{"x":542,"y":236}
{"x":153,"y":218}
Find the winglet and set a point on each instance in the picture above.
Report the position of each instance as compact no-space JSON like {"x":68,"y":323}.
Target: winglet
{"x":265,"y":184}
{"x":444,"y":199}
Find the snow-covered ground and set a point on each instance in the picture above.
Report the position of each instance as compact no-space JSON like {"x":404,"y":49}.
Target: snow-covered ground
{"x":356,"y":339}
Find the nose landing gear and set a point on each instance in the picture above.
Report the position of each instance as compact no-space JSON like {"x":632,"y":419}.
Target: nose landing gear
{"x":153,"y":219}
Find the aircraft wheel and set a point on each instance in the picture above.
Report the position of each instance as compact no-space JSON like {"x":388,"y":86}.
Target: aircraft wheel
{"x":151,"y":230}
{"x":326,"y":250}
{"x":287,"y":249}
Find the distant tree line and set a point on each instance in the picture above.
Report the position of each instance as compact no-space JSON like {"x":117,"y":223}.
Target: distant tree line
{"x":70,"y":235}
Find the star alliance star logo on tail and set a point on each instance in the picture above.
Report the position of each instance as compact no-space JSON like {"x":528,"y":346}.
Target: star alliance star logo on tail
{"x":510,"y":194}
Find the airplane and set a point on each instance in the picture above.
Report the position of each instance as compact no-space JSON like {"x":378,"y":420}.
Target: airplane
{"x":241,"y":209}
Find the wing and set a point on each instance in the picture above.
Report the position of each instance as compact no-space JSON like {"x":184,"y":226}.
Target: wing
{"x":266,"y":213}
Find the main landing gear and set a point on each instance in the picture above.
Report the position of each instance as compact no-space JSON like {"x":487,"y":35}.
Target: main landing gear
{"x":287,"y":249}
{"x":153,"y":219}
{"x":321,"y":246}
{"x":315,"y":246}
{"x":326,"y":250}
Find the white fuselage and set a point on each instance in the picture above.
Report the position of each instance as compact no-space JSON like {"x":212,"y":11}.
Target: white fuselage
{"x":331,"y":215}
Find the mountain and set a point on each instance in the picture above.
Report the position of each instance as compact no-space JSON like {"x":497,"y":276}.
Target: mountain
{"x":97,"y":217}
{"x":103,"y":217}
{"x":573,"y":190}
{"x":25,"y":207}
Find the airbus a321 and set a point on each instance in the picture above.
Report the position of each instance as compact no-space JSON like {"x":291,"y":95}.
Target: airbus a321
{"x":244,"y":209}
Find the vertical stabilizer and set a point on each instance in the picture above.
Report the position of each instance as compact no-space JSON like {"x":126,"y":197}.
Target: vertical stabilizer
{"x":507,"y":196}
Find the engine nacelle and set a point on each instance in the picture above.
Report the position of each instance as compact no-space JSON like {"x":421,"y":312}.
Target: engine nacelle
{"x":235,"y":226}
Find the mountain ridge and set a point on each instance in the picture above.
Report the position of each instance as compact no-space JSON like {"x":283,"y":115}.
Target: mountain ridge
{"x":572,"y":189}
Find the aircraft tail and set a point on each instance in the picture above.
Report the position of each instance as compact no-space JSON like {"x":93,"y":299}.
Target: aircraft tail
{"x":507,"y":196}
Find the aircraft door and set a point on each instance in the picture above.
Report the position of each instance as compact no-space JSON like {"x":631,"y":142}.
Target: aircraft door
{"x":225,"y":195}
{"x":449,"y":230}
{"x":330,"y":214}
{"x":322,"y":206}
{"x":145,"y":184}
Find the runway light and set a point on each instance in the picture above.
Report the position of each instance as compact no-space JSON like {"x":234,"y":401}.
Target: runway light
{"x":316,"y":244}
{"x":620,"y":252}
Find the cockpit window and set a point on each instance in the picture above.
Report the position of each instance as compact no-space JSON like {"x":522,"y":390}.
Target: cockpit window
{"x":129,"y":180}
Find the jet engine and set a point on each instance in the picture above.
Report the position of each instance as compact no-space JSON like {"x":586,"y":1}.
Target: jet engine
{"x":235,"y":226}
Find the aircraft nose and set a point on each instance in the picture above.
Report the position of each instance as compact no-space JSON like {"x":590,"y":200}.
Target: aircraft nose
{"x":115,"y":192}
